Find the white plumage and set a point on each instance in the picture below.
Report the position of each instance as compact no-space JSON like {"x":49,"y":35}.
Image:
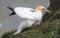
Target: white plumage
{"x":30,"y":16}
{"x":27,"y":13}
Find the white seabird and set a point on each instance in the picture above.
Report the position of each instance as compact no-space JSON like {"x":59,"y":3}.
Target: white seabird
{"x":31,"y":16}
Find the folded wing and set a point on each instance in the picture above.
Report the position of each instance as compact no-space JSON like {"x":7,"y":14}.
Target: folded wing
{"x":24,"y":12}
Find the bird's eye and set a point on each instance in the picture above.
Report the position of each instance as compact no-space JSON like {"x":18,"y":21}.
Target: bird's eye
{"x":43,"y":9}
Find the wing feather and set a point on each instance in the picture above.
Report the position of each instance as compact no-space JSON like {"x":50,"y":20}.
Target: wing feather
{"x":24,"y":12}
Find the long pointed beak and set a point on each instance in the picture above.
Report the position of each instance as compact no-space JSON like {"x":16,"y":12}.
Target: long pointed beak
{"x":47,"y":10}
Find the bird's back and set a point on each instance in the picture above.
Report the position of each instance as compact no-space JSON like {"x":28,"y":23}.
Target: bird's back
{"x":24,"y":12}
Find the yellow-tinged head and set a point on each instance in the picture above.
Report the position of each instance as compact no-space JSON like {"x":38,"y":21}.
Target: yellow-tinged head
{"x":41,"y":8}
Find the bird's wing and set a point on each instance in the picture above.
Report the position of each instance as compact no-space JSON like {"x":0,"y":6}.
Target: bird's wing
{"x":24,"y":12}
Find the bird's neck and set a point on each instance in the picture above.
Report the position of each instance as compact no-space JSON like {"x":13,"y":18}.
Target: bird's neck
{"x":40,"y":12}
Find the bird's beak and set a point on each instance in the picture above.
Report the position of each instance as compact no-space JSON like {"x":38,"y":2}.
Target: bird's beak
{"x":47,"y":10}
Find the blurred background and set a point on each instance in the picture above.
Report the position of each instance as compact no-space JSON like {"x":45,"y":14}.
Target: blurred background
{"x":7,"y":22}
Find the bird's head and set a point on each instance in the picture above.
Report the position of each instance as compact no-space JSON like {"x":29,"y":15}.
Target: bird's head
{"x":41,"y":8}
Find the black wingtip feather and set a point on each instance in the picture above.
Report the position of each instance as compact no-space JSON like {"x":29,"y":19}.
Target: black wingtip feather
{"x":10,"y":8}
{"x":13,"y":12}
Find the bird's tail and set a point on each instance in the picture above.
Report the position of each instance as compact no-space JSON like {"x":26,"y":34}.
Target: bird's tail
{"x":13,"y":12}
{"x":10,"y":8}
